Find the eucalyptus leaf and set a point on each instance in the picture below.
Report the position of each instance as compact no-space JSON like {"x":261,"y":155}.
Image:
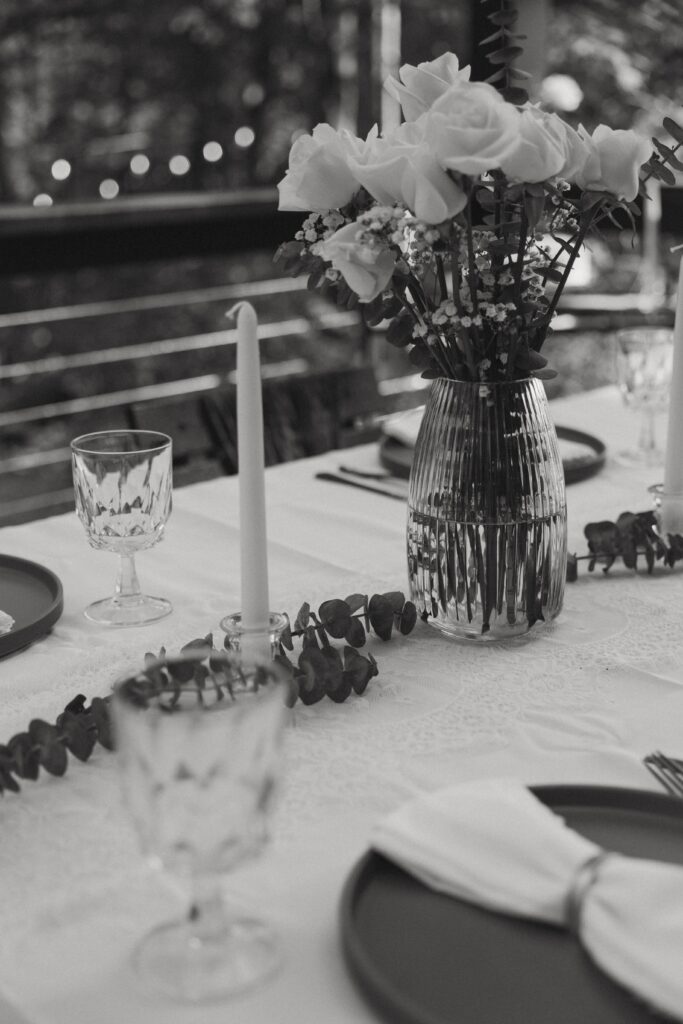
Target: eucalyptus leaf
{"x":26,"y":756}
{"x":78,"y":737}
{"x":674,"y":129}
{"x":335,"y":616}
{"x":302,"y":616}
{"x":408,"y":618}
{"x":355,"y":634}
{"x":381,"y":616}
{"x":505,"y":55}
{"x":53,"y":758}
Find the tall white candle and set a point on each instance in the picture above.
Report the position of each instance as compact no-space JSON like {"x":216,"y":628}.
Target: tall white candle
{"x":253,"y":538}
{"x":652,"y":273}
{"x":671,"y":517}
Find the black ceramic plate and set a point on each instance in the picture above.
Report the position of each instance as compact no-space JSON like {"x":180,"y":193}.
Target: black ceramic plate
{"x":425,"y":958}
{"x":33,"y":596}
{"x":397,"y":457}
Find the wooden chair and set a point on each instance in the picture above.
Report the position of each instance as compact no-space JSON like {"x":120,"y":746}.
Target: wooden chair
{"x":308,"y":414}
{"x":201,"y":447}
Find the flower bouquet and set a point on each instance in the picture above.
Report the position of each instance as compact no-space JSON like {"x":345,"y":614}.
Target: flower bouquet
{"x":460,"y":229}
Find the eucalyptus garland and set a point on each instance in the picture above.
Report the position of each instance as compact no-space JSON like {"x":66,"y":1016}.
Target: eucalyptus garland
{"x":633,"y":536}
{"x":321,"y":669}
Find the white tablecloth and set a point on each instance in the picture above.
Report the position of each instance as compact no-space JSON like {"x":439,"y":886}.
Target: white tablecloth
{"x":581,"y":700}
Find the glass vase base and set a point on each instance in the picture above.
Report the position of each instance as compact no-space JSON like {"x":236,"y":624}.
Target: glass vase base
{"x":173,"y":961}
{"x":474,"y":633}
{"x":131,"y":611}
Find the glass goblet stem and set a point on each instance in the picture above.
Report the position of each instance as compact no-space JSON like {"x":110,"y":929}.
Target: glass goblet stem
{"x":127,"y":583}
{"x":647,"y":442}
{"x":207,"y":917}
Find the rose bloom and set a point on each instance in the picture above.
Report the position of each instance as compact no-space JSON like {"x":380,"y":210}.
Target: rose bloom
{"x":422,"y":85}
{"x":366,"y":269}
{"x":539,"y":152}
{"x":616,"y":156}
{"x":401,"y":168}
{"x":319,"y":177}
{"x":471,"y":128}
{"x":576,"y":151}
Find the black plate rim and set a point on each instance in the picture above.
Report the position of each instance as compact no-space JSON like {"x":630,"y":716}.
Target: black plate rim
{"x":16,"y":639}
{"x":575,"y":469}
{"x":373,"y":983}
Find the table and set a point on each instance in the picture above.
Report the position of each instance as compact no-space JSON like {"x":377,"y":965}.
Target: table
{"x":579,"y":701}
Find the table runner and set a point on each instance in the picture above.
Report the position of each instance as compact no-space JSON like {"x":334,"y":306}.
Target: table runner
{"x":579,"y":701}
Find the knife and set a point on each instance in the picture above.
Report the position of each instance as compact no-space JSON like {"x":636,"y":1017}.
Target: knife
{"x":334,"y":479}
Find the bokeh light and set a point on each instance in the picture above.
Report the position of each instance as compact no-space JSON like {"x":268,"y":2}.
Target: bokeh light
{"x":244,"y":137}
{"x":42,"y":199}
{"x":561,"y":92}
{"x":109,"y":188}
{"x":60,"y":170}
{"x":253,"y":94}
{"x":139,"y":164}
{"x":178,"y":165}
{"x":212,"y":151}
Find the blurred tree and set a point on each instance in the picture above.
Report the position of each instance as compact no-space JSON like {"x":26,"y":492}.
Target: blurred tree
{"x":625,"y":58}
{"x":96,"y":83}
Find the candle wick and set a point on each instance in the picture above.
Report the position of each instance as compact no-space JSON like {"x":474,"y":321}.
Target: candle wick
{"x":234,"y":310}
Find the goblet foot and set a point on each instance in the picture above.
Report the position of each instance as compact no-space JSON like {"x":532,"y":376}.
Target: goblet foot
{"x":640,"y":457}
{"x":176,"y":962}
{"x":135,"y":610}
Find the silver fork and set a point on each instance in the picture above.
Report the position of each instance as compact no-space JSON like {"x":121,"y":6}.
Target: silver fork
{"x":667,"y":770}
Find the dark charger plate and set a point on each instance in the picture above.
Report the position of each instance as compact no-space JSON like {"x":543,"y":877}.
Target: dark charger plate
{"x":33,"y":596}
{"x":424,"y":958}
{"x":397,"y":457}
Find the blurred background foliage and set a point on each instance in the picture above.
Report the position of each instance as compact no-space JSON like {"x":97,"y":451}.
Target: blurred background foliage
{"x":115,"y":97}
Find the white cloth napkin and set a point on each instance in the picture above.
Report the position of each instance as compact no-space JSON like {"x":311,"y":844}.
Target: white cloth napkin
{"x":6,"y":622}
{"x":493,"y":843}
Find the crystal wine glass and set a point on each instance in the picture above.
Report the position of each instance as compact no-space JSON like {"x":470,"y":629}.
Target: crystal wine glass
{"x":199,"y":742}
{"x":644,"y":365}
{"x":123,"y":482}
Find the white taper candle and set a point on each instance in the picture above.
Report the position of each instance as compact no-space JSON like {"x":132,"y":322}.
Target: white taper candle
{"x":671,"y":514}
{"x":250,"y":455}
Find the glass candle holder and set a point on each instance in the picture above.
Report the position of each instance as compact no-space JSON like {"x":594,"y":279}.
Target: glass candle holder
{"x":253,"y":645}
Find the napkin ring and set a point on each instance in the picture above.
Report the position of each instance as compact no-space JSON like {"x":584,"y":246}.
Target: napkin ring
{"x":583,"y":880}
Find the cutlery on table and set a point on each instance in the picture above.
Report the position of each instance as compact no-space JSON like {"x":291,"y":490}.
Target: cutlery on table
{"x":337,"y":479}
{"x":667,"y":770}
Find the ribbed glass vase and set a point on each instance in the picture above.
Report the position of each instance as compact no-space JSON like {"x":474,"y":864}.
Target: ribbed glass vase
{"x":487,"y":520}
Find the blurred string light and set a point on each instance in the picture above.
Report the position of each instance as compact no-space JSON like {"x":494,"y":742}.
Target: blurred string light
{"x":42,"y":199}
{"x":109,"y":188}
{"x":212,"y":152}
{"x":139,"y":164}
{"x":244,"y":137}
{"x":178,"y":165}
{"x":60,"y":170}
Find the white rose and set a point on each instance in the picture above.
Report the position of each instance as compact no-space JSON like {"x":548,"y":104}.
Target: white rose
{"x":420,"y":86}
{"x":539,"y":150}
{"x":614,"y":165}
{"x":319,"y":177}
{"x":401,"y":168}
{"x":471,"y":128}
{"x":577,"y":152}
{"x":366,"y":269}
